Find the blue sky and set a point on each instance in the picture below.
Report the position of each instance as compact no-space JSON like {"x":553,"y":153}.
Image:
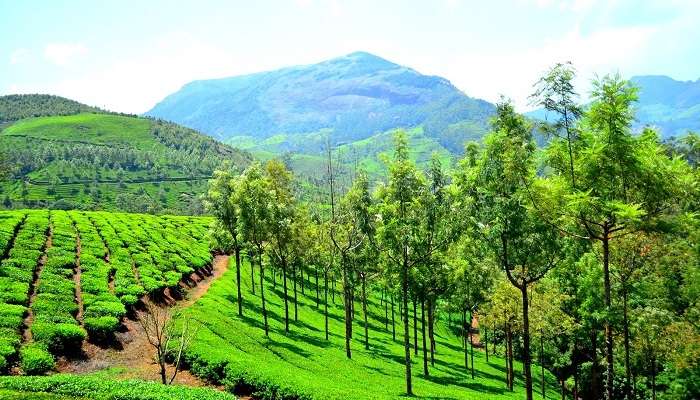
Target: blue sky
{"x":127,"y":55}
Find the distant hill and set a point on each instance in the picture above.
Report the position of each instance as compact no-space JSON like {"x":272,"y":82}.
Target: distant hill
{"x":19,"y":106}
{"x":672,"y":106}
{"x":74,"y":156}
{"x":345,"y":99}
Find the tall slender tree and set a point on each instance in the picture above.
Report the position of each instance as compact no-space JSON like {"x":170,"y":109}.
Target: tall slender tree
{"x":255,"y":202}
{"x":525,"y":246}
{"x":221,"y":201}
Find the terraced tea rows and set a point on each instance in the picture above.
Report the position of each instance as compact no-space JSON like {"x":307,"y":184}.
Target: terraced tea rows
{"x":68,"y":275}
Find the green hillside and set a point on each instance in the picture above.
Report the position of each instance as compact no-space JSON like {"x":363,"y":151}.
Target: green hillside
{"x":19,"y":106}
{"x":301,"y":364}
{"x":306,"y":155}
{"x":109,"y":161}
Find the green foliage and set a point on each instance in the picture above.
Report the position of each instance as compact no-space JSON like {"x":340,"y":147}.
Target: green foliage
{"x":107,"y":161}
{"x":233,"y":350}
{"x":98,"y":387}
{"x":20,"y":106}
{"x":36,"y":360}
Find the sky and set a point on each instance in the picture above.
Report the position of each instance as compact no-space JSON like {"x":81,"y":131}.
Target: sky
{"x":128,"y":55}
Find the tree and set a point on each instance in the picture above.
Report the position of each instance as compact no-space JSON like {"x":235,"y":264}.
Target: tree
{"x":624,"y":183}
{"x":282,"y":216}
{"x":556,"y":94}
{"x":525,"y":245}
{"x":221,"y":200}
{"x":255,"y":203}
{"x":549,"y":320}
{"x":170,"y":340}
{"x":627,"y":261}
{"x":403,"y":229}
{"x":504,"y":309}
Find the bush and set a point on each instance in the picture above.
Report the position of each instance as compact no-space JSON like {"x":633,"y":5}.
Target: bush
{"x":101,"y":328}
{"x":35,"y":360}
{"x":59,"y":337}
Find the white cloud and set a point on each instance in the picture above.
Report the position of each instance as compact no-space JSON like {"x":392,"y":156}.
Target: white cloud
{"x":19,"y":56}
{"x":512,"y":73}
{"x":63,"y":54}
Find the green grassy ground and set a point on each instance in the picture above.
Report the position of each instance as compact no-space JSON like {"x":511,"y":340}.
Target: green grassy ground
{"x":98,"y":386}
{"x":101,"y":129}
{"x":302,"y":364}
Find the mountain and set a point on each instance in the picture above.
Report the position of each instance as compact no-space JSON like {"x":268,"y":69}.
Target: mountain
{"x":672,"y":106}
{"x":345,"y":99}
{"x":74,"y":156}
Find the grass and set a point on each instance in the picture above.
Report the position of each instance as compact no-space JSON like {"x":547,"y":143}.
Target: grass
{"x":302,"y":364}
{"x":101,"y":129}
{"x":97,"y":386}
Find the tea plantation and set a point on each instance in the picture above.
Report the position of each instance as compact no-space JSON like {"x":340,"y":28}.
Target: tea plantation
{"x":68,"y":275}
{"x":302,"y":364}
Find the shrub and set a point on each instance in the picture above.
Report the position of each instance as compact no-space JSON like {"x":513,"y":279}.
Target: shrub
{"x":101,"y":328}
{"x":59,"y":337}
{"x":35,"y":360}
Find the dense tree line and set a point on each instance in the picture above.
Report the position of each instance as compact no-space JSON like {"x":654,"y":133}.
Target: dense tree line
{"x":580,"y":256}
{"x":19,"y":106}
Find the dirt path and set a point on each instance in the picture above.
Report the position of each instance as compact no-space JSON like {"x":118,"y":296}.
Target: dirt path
{"x":219,"y":266}
{"x":131,"y":353}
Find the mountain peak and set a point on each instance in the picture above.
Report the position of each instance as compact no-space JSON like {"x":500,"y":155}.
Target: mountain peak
{"x":354,"y":96}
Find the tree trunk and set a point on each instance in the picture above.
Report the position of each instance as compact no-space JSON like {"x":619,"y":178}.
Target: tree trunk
{"x":393,"y":321}
{"x":406,"y":331}
{"x":471,"y":341}
{"x":318,"y":301}
{"x":262,"y":290}
{"x":562,"y":383}
{"x":386,"y":312}
{"x":511,"y":376}
{"x":415,"y":328}
{"x":464,"y":339}
{"x":347,"y":300}
{"x":274,"y":278}
{"x":286,"y":301}
{"x":325,"y":300}
{"x":542,"y":361}
{"x":161,"y":364}
{"x":626,"y":332}
{"x":431,"y":331}
{"x":425,"y":349}
{"x":527,"y":361}
{"x":237,"y":252}
{"x":364,"y":311}
{"x":609,"y":372}
{"x":294,"y":277}
{"x":594,"y":365}
{"x":505,"y":354}
{"x":653,"y":378}
{"x":301,"y":274}
{"x":486,"y":342}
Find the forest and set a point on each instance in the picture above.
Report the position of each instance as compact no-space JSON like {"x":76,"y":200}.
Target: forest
{"x":578,"y":257}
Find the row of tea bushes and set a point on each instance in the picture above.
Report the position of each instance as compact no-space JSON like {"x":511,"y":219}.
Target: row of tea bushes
{"x":126,"y":283}
{"x":102,"y":308}
{"x":16,"y":274}
{"x":110,"y":259}
{"x":55,"y":308}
